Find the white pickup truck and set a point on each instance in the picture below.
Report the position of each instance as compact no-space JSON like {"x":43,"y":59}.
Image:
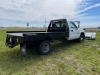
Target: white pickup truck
{"x":59,"y":29}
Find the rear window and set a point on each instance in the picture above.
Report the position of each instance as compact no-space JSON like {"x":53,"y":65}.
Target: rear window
{"x":58,"y":24}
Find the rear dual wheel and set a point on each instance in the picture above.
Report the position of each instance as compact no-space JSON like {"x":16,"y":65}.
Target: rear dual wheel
{"x":44,"y":47}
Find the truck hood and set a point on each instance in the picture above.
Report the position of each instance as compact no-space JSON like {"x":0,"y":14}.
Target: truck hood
{"x":82,"y":30}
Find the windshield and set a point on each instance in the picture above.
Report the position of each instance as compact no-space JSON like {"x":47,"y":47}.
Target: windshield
{"x":72,"y":24}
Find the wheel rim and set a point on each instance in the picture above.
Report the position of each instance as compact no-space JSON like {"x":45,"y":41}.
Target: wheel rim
{"x":82,"y":38}
{"x":45,"y":47}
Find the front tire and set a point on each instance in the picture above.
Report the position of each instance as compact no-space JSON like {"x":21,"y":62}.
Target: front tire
{"x":82,"y":38}
{"x":44,"y":47}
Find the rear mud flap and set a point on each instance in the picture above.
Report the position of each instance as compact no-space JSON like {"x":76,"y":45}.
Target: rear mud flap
{"x":23,"y":48}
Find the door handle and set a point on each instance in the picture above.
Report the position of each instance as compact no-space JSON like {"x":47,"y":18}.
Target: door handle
{"x":72,"y":30}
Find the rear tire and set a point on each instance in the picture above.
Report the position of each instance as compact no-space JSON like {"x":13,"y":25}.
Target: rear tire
{"x":44,"y":48}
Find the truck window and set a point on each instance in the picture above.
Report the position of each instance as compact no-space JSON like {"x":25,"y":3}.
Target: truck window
{"x":55,"y":25}
{"x":63,"y":24}
{"x":58,"y":25}
{"x":72,"y":25}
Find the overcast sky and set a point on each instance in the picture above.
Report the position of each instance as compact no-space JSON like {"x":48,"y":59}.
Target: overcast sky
{"x":20,"y":12}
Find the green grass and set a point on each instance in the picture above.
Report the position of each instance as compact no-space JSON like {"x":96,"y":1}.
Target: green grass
{"x":67,"y":58}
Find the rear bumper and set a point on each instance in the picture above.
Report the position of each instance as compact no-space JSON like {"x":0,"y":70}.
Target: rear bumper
{"x":9,"y":45}
{"x":12,"y":41}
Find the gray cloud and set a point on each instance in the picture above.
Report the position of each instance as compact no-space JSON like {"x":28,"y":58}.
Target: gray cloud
{"x":38,"y":10}
{"x":29,"y":10}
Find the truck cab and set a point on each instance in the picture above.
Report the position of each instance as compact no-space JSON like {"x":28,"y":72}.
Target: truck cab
{"x":72,"y":28}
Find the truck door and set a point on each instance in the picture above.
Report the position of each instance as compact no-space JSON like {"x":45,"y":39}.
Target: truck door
{"x":73,"y":31}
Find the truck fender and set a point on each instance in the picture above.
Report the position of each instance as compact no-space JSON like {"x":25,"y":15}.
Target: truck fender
{"x":49,"y":39}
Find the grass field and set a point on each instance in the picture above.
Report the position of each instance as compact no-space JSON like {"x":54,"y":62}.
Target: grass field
{"x":67,"y":58}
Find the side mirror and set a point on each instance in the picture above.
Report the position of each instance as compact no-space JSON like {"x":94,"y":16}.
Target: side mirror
{"x":84,"y":29}
{"x":78,"y":26}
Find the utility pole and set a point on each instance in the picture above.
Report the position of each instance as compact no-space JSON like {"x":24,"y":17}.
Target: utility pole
{"x":45,"y":25}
